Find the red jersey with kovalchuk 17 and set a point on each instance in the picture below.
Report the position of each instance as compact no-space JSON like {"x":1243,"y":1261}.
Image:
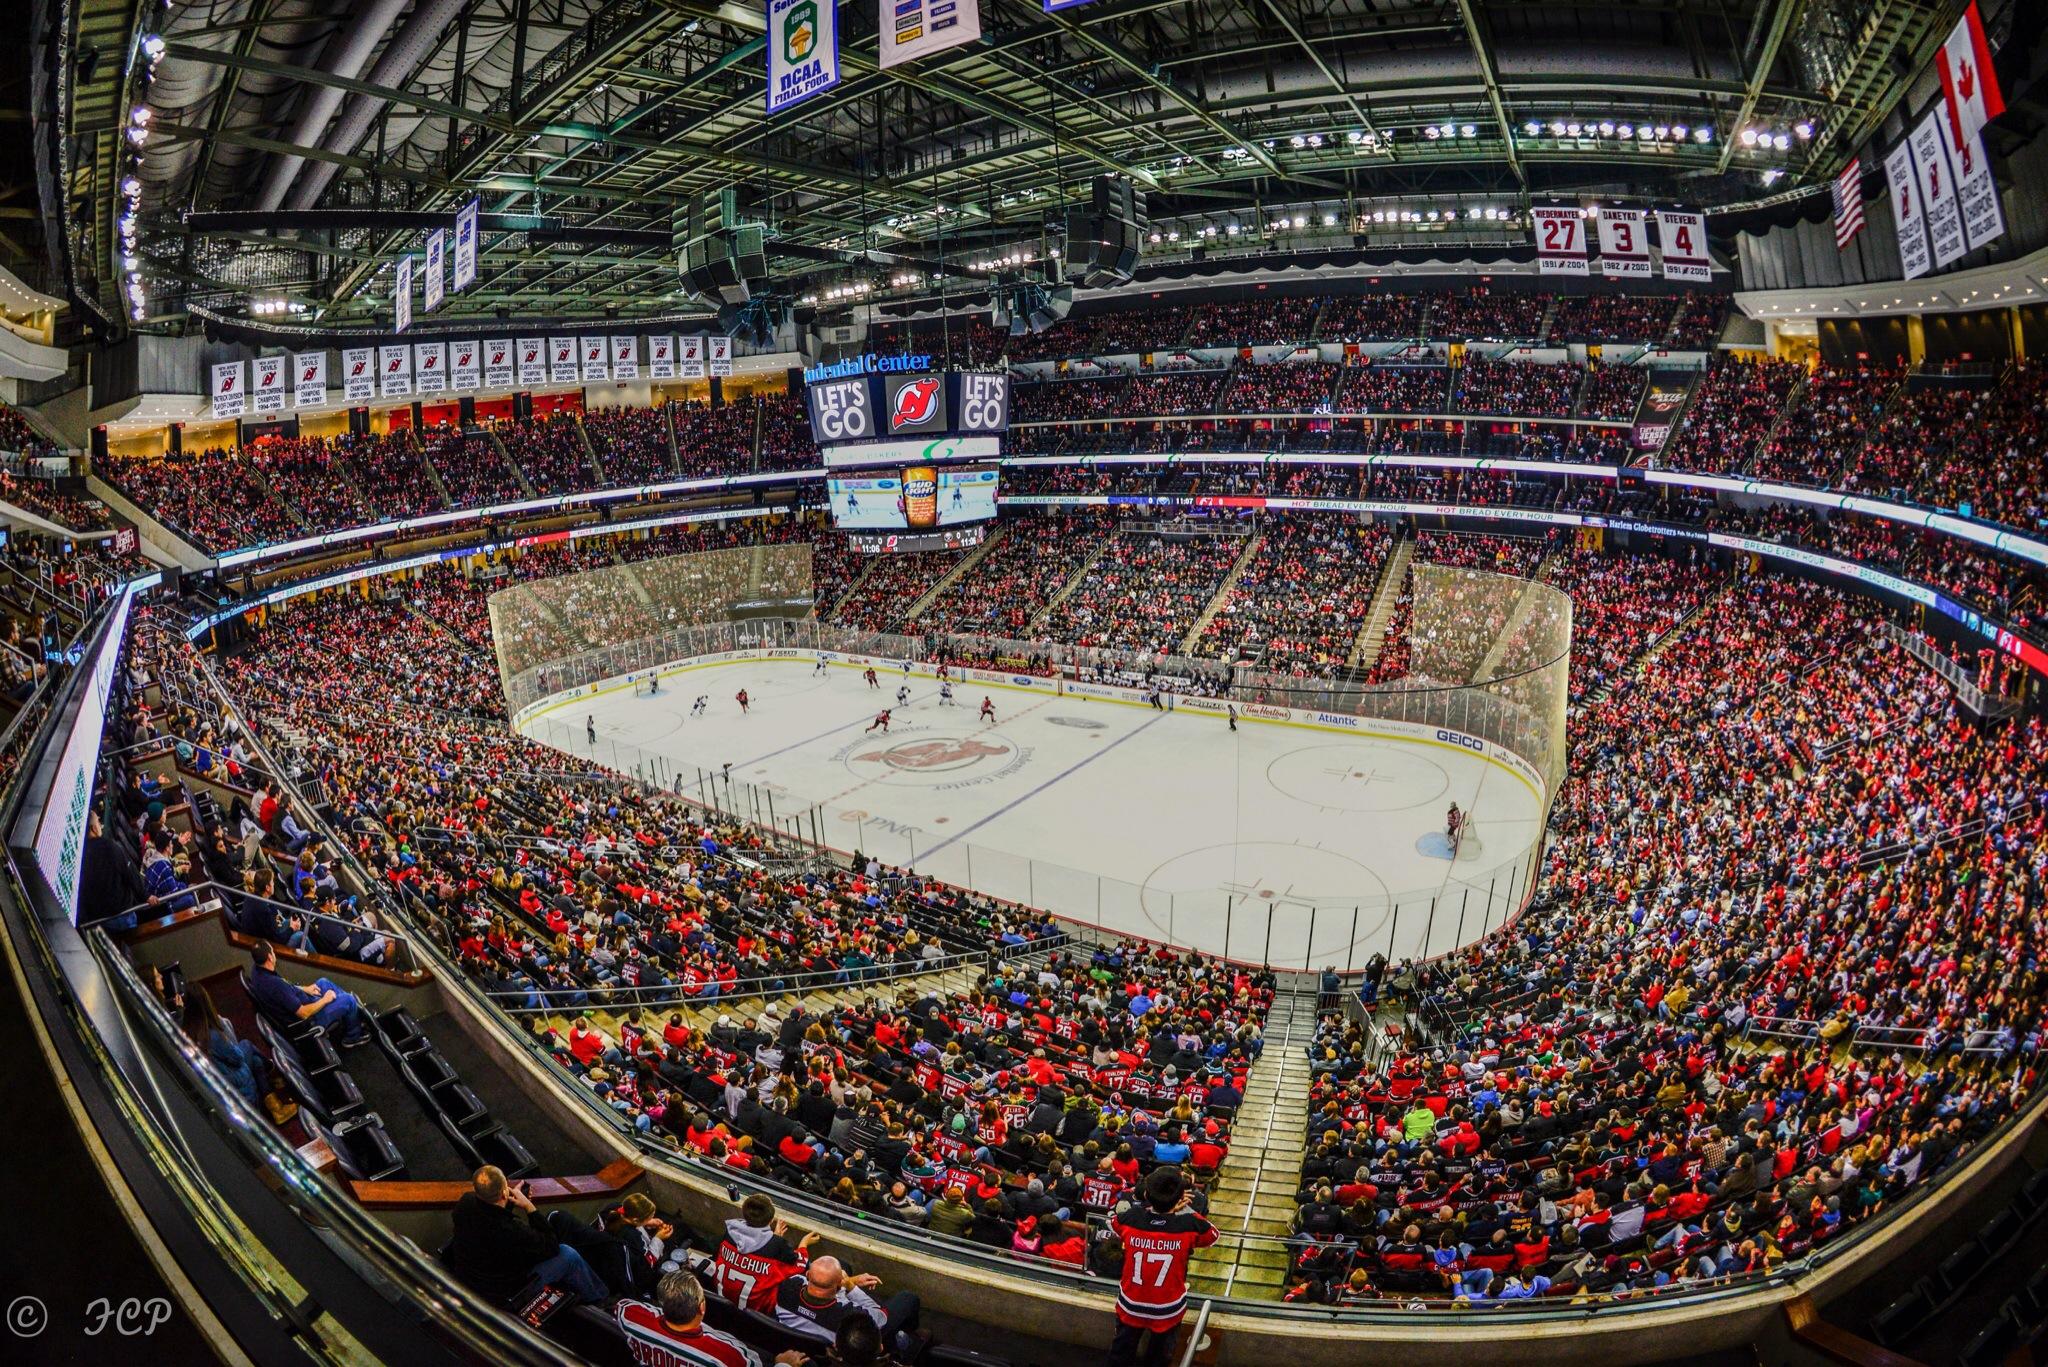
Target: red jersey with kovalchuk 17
{"x":1154,"y":1291}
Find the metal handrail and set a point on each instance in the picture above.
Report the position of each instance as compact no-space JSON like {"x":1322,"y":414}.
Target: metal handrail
{"x":232,"y":894}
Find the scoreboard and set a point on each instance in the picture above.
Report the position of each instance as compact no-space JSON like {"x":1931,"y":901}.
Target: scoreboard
{"x":870,"y":419}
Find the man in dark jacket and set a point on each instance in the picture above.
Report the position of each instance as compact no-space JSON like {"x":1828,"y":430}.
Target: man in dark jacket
{"x":502,"y":1244}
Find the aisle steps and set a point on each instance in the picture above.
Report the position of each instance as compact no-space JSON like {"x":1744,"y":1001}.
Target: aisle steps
{"x":1365,"y":648}
{"x":1253,"y":1192}
{"x":1222,"y":595}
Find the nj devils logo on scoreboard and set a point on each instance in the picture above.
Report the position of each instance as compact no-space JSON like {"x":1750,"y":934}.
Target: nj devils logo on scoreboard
{"x":917,"y":403}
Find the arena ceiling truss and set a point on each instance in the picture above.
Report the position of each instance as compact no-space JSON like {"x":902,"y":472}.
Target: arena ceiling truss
{"x":291,"y":147}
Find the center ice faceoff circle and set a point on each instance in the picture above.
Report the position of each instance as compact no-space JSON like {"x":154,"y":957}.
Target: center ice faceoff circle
{"x":922,"y":758}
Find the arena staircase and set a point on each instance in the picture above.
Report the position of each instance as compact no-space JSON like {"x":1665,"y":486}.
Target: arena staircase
{"x":348,"y":477}
{"x":952,"y":576}
{"x":1525,"y":602}
{"x":1549,"y":319}
{"x":1244,"y":561}
{"x":504,"y":454}
{"x":1794,"y":401}
{"x":1650,"y":652}
{"x":1365,"y":648}
{"x":668,"y":429}
{"x":1066,"y":590}
{"x":1253,"y":1192}
{"x":270,"y":494}
{"x":419,"y":448}
{"x":590,"y":451}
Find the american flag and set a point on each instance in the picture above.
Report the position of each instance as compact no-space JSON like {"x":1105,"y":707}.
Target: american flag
{"x":1849,"y":203}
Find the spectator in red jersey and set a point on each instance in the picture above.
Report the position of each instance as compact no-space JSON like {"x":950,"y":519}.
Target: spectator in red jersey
{"x":756,"y":1257}
{"x":672,"y":1332}
{"x":1158,"y":1238}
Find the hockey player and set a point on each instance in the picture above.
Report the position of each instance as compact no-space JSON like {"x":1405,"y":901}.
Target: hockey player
{"x":881,"y":721}
{"x":873,"y":682}
{"x":590,"y":730}
{"x":741,"y":698}
{"x":945,"y":692}
{"x":818,"y":668}
{"x":988,"y":709}
{"x":1454,"y":825}
{"x":903,"y":696}
{"x":697,"y":707}
{"x":1232,"y":710}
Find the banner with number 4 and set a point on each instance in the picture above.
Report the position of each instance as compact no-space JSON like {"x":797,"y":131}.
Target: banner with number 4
{"x":1683,"y":235}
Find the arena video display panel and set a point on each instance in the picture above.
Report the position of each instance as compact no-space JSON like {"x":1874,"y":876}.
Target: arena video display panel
{"x":918,"y":498}
{"x":881,"y":404}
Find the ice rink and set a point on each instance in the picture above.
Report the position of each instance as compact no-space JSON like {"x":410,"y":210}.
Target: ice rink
{"x":1283,"y":843}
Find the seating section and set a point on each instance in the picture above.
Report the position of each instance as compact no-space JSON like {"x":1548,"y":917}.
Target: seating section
{"x":551,"y":453}
{"x":1301,"y":600}
{"x":632,"y":444}
{"x":471,"y":1131}
{"x":1517,"y":388}
{"x":1731,"y":411}
{"x":1032,"y":560}
{"x":1144,"y":593}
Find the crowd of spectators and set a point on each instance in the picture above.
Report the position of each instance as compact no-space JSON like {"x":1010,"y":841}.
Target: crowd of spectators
{"x":1613,"y":391}
{"x":1110,"y":332}
{"x":1031,"y":561}
{"x":786,"y":434}
{"x":551,"y":452}
{"x":1987,"y":468}
{"x":714,"y":441}
{"x":18,"y":438}
{"x":211,"y":496}
{"x":307,"y":478}
{"x":1482,"y":312}
{"x":632,"y":444}
{"x":884,"y":596}
{"x":1701,"y":316}
{"x":1377,"y":317}
{"x":46,"y":497}
{"x":1282,"y":387}
{"x":1283,"y":320}
{"x":1733,"y":406}
{"x":1518,"y":388}
{"x":1382,"y":388}
{"x":391,"y":473}
{"x":471,"y":469}
{"x":1621,"y":605}
{"x":1145,"y":592}
{"x":1836,"y":413}
{"x":1302,"y":598}
{"x":1604,"y":316}
{"x":1579,"y":1119}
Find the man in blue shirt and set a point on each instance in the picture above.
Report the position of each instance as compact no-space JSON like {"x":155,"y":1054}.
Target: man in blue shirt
{"x":327,"y":1006}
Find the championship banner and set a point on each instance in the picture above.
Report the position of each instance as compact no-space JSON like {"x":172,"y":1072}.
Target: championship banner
{"x":464,"y":369}
{"x":430,"y":367}
{"x":720,"y":351}
{"x":1938,"y":190}
{"x":917,"y":28}
{"x":562,"y":360}
{"x":394,"y":364}
{"x":358,"y":373}
{"x":437,"y":279}
{"x":1560,"y":241}
{"x":498,"y":362}
{"x":803,"y":50}
{"x":533,"y":360}
{"x":661,"y":358}
{"x":1907,"y":213}
{"x":594,"y":352}
{"x":692,"y":365}
{"x":1976,"y":191}
{"x":269,"y":386}
{"x":625,"y":358}
{"x":230,"y":398}
{"x":1624,"y":245}
{"x":1683,"y":235}
{"x":465,"y":247}
{"x":309,"y":379}
{"x":401,"y":295}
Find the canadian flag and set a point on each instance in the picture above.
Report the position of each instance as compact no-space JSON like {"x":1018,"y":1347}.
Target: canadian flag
{"x":1968,"y":83}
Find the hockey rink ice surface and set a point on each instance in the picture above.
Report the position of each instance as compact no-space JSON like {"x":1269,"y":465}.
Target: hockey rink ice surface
{"x":1283,"y":843}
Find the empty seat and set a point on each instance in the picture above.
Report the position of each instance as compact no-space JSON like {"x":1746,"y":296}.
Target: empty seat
{"x":361,"y":1148}
{"x":503,"y":1149}
{"x":1957,"y":1269}
{"x":463,"y":1107}
{"x":1896,"y":1321}
{"x":2034,"y":1194}
{"x":2001,"y":1231}
{"x":332,"y":1095}
{"x":429,"y":1068}
{"x":1990,"y":1345}
{"x":314,"y":1053}
{"x":399,"y":1032}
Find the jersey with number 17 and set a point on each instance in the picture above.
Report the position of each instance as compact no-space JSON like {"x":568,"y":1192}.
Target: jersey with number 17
{"x":1153,"y":1293}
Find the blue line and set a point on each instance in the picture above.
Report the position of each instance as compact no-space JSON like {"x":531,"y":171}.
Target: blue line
{"x":1019,"y":801}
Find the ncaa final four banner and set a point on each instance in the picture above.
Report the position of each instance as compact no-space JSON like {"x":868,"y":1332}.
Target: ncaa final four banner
{"x":359,"y":374}
{"x":230,"y":397}
{"x":309,"y":379}
{"x":803,"y":51}
{"x":269,"y":386}
{"x":917,"y":28}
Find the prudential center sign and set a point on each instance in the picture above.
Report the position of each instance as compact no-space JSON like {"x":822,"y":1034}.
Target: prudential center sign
{"x":803,"y":51}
